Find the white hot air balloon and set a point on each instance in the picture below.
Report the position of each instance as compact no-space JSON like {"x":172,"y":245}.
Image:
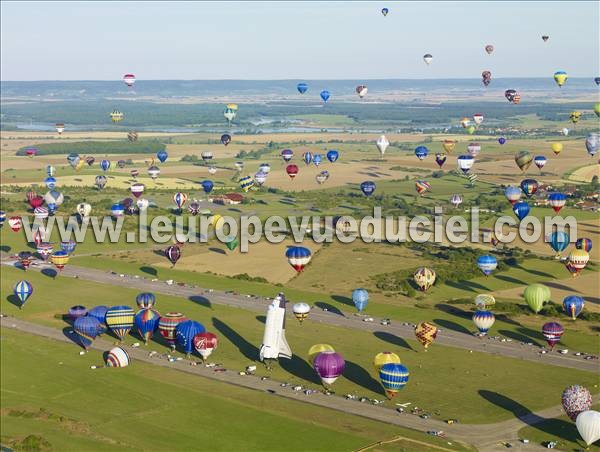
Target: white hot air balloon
{"x":142,"y":204}
{"x":427,"y":58}
{"x":588,"y":425}
{"x":382,"y":144}
{"x":212,"y":170}
{"x":565,"y":131}
{"x":84,"y":209}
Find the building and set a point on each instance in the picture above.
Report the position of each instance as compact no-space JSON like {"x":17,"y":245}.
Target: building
{"x":227,"y":199}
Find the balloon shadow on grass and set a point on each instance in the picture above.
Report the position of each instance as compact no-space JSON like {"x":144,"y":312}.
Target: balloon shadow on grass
{"x":14,"y":300}
{"x":453,"y":310}
{"x":5,"y":248}
{"x":149,"y":270}
{"x":359,"y":376}
{"x":70,"y":334}
{"x":510,"y":279}
{"x":343,"y":300}
{"x":202,"y":301}
{"x":217,"y":250}
{"x":329,"y":308}
{"x":261,"y":318}
{"x":518,"y":336}
{"x":300,"y":369}
{"x":49,"y":272}
{"x":535,"y":272}
{"x":247,"y":349}
{"x":467,"y":285}
{"x":392,"y":339}
{"x":557,"y":427}
{"x":450,"y":325}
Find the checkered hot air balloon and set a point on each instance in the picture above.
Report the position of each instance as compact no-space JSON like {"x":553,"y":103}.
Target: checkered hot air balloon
{"x":426,"y":333}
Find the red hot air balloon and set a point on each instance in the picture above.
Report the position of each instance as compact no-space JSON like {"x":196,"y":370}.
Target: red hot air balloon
{"x":15,"y":223}
{"x":205,"y":343}
{"x":36,"y":202}
{"x":291,"y":170}
{"x":552,"y":332}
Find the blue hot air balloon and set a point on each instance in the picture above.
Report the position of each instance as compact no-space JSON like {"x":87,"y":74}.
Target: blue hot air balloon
{"x":573,"y":305}
{"x":368,"y":187}
{"x":501,"y":140}
{"x":487,"y":264}
{"x":99,"y":312}
{"x":50,"y":182}
{"x":317,"y":159}
{"x":86,"y":328}
{"x":360,"y":298}
{"x":325,"y":95}
{"x":146,"y":322}
{"x":2,"y":217}
{"x":162,"y":156}
{"x":584,"y":244}
{"x":117,"y":210}
{"x":207,"y":186}
{"x":68,"y":246}
{"x":298,"y":257}
{"x":145,"y":300}
{"x":393,"y":377}
{"x":559,"y":241}
{"x":333,"y":155}
{"x":23,"y":290}
{"x":421,"y":152}
{"x":105,"y":165}
{"x":302,"y":88}
{"x":385,"y":11}
{"x":185,"y":333}
{"x":307,"y":157}
{"x":521,"y":210}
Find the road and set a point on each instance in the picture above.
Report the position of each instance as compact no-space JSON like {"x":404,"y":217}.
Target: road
{"x":446,"y":337}
{"x":486,"y":437}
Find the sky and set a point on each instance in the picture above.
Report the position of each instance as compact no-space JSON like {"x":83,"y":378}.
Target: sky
{"x":296,"y":40}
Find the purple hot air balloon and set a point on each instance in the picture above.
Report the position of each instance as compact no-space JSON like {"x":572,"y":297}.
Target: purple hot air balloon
{"x":329,"y":366}
{"x":77,"y":311}
{"x":552,"y":332}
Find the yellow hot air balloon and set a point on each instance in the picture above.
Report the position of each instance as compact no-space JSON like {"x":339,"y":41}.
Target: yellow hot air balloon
{"x":385,"y":358}
{"x":560,"y":77}
{"x":80,"y":164}
{"x":597,"y":109}
{"x":424,"y":277}
{"x":557,"y":148}
{"x":217,"y":221}
{"x":465,"y":122}
{"x":318,"y":348}
{"x":575,"y":116}
{"x":471,"y":130}
{"x":426,"y":333}
{"x":484,"y":300}
{"x":449,"y":145}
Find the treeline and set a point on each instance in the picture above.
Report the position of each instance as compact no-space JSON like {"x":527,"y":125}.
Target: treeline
{"x":98,"y":147}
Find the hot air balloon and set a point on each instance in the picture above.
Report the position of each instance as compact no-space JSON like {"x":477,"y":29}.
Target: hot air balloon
{"x":60,"y":127}
{"x":77,"y":311}
{"x":424,"y":278}
{"x":44,"y":250}
{"x":385,"y":358}
{"x":502,"y":140}
{"x":465,"y":163}
{"x":540,"y":161}
{"x":246,"y":182}
{"x":521,"y":209}
{"x":117,"y":357}
{"x":584,"y":244}
{"x":487,"y":264}
{"x":333,"y":155}
{"x":129,"y":80}
{"x":465,"y":122}
{"x":287,"y":155}
{"x":588,"y":426}
{"x":206,"y":156}
{"x":478,"y":118}
{"x":557,"y":201}
{"x":68,"y":246}
{"x":301,"y":311}
{"x":117,"y":210}
{"x":322,"y":177}
{"x":325,"y":95}
{"x":168,"y":324}
{"x":59,"y":259}
{"x":362,"y":90}
{"x":422,"y":186}
{"x":427,"y":58}
{"x":573,"y":305}
{"x":456,"y":200}
{"x":393,"y":378}
{"x":36,"y":201}
{"x":421,"y":152}
{"x":440,"y":159}
{"x":291,"y":170}
{"x":360,"y":298}
{"x":556,"y":148}
{"x":265,"y":168}
{"x":132,"y":136}
{"x":426,"y":333}
{"x":185,"y":333}
{"x":25,"y":258}
{"x":73,"y":159}
{"x":302,"y":88}
{"x":513,"y":194}
{"x":153,"y":172}
{"x":180,"y":199}
{"x":194,"y":207}
{"x":86,"y":328}
{"x":552,"y":332}
{"x":449,"y":145}
{"x":559,"y":241}
{"x":307,"y":157}
{"x":536,"y":295}
{"x":483,"y":320}
{"x":2,"y":218}
{"x":482,"y":301}
{"x":511,"y":95}
{"x":23,"y":290}
{"x":367,"y":187}
{"x":225,"y":139}
{"x":592,"y":143}
{"x":84,"y":209}
{"x":145,"y":300}
{"x":575,"y":116}
{"x":230,"y":112}
{"x":162,"y":156}
{"x":142,"y":204}
{"x":105,"y":165}
{"x":146,"y":322}
{"x":382,"y":144}
{"x":173,"y":253}
{"x":207,"y":186}
{"x":100,"y":182}
{"x":298,"y":257}
{"x":560,"y":77}
{"x":99,"y":313}
{"x":260,"y":178}
{"x":486,"y":78}
{"x":577,"y":261}
{"x":137,"y":189}
{"x":565,"y":131}
{"x":205,"y":343}
{"x":523,"y":160}
{"x":134,"y":173}
{"x":597,"y":80}
{"x":116,"y":116}
{"x":50,"y":171}
{"x":529,"y":187}
{"x":329,"y":366}
{"x":119,"y":319}
{"x":385,"y":12}
{"x":575,"y":400}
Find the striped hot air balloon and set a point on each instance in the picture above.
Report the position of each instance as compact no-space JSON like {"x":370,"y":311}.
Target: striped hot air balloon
{"x":59,"y":259}
{"x":117,"y":357}
{"x":246,"y":183}
{"x":119,"y":320}
{"x":23,"y":290}
{"x":298,"y":257}
{"x":424,"y":278}
{"x":168,"y":324}
{"x":422,"y":187}
{"x":146,"y":321}
{"x":329,"y":366}
{"x":483,"y":320}
{"x":145,"y":300}
{"x":557,"y":201}
{"x":301,"y":311}
{"x":487,"y":264}
{"x":394,"y":377}
{"x":552,"y":332}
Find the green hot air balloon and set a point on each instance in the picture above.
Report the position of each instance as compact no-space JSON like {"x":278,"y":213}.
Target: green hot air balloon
{"x":536,"y":295}
{"x":232,"y":244}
